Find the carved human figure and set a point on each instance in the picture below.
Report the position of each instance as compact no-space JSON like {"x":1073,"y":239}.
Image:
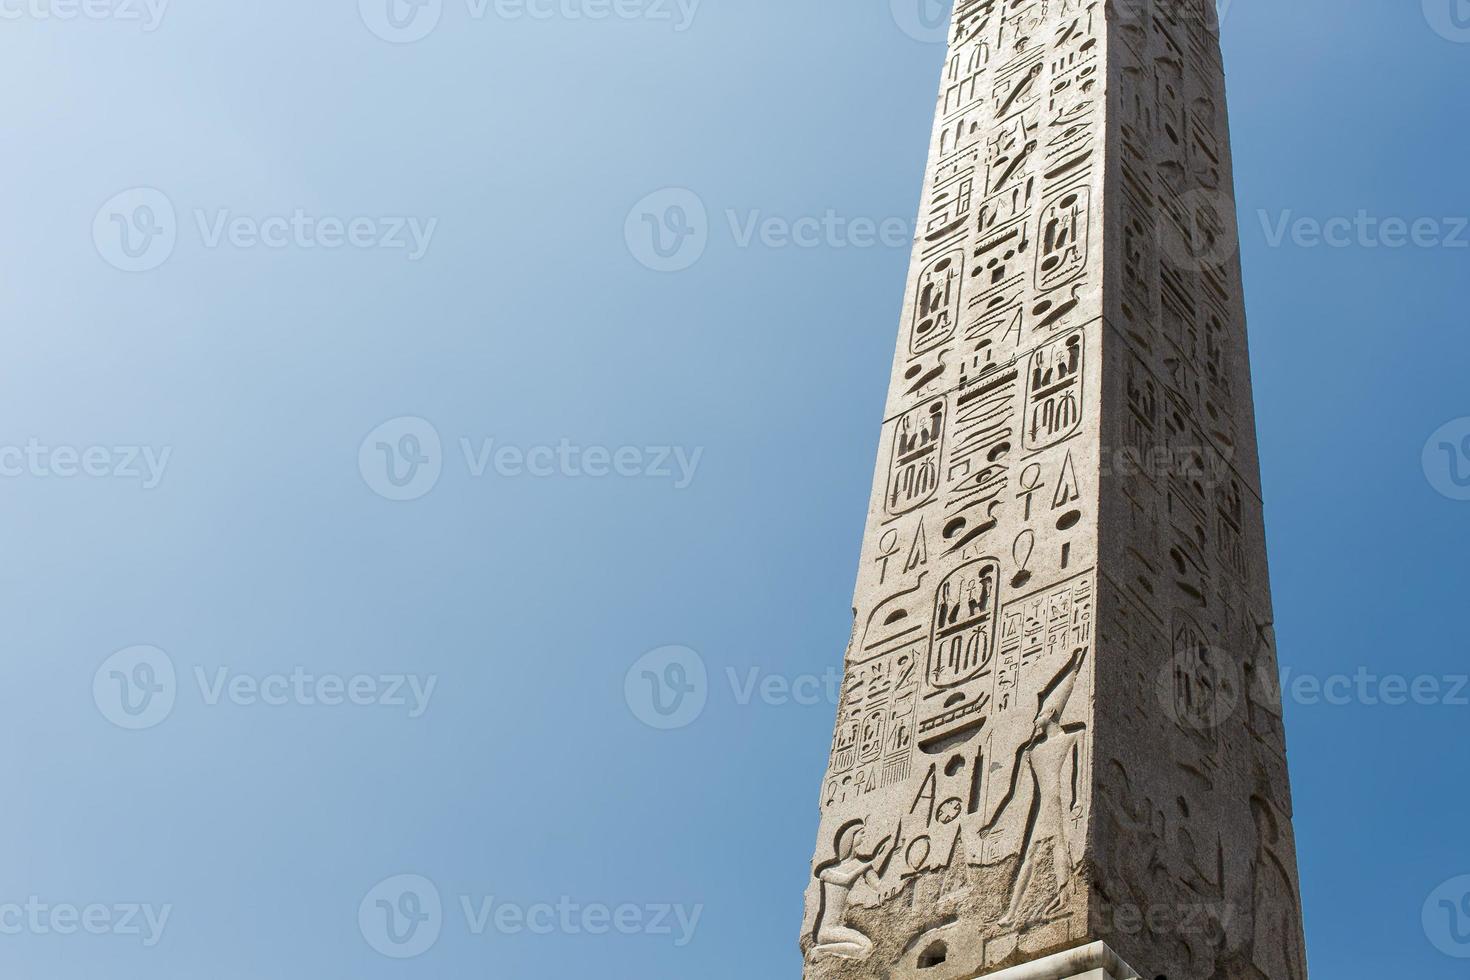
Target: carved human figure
{"x":838,"y":877}
{"x":1277,"y":946}
{"x":1047,"y":764}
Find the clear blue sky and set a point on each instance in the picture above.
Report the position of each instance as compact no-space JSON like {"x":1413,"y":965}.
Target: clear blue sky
{"x":215,"y":411}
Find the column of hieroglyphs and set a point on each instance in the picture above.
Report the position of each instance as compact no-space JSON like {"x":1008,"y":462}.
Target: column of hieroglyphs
{"x":954,"y":813}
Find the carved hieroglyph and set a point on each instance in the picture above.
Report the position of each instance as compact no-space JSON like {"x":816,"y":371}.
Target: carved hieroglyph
{"x":1058,"y":723}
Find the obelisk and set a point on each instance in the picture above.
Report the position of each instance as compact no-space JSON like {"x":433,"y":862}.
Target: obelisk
{"x":1059,"y":746}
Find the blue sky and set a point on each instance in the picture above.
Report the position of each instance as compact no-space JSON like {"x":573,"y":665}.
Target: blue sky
{"x":347,"y":243}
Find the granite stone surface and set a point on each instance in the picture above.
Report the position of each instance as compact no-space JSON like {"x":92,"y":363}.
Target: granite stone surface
{"x":1060,"y":723}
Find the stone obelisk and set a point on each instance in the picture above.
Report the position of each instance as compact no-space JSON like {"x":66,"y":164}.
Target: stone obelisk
{"x":1059,"y":747}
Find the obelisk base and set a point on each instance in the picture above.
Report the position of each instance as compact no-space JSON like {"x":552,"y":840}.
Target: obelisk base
{"x":1094,"y":962}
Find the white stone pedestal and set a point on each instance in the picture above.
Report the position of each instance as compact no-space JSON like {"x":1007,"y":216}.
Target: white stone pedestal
{"x":1094,"y":962}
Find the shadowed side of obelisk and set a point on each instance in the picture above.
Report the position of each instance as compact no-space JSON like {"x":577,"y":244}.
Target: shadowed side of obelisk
{"x":1195,"y":875}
